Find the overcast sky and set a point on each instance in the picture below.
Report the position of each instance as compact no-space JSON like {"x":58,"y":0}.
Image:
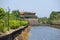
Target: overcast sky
{"x":42,"y":8}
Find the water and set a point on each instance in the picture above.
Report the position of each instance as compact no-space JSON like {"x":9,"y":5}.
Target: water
{"x":44,"y":33}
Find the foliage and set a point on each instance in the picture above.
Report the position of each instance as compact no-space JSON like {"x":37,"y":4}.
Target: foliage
{"x":14,"y":20}
{"x":16,"y":13}
{"x":1,"y":24}
{"x":14,"y":23}
{"x":2,"y":13}
{"x":55,"y":17}
{"x":49,"y":21}
{"x":43,"y":20}
{"x":23,"y":23}
{"x":17,"y":23}
{"x":2,"y":27}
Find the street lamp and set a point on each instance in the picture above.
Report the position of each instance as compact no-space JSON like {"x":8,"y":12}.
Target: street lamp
{"x":8,"y":18}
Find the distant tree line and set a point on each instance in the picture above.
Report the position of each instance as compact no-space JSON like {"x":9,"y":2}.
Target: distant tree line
{"x":53,"y":18}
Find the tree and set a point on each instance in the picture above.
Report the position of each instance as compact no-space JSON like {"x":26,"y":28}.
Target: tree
{"x":2,"y":13}
{"x":43,"y":20}
{"x":49,"y":21}
{"x":55,"y":17}
{"x":16,"y":13}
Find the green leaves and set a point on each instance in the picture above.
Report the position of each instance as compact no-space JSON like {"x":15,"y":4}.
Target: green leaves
{"x":2,"y":13}
{"x":55,"y":17}
{"x":14,"y":20}
{"x":14,"y":24}
{"x":16,"y":13}
{"x":43,"y":20}
{"x":17,"y":23}
{"x":23,"y":23}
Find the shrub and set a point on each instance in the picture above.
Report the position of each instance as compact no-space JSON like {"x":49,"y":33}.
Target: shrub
{"x":23,"y":23}
{"x":14,"y":23}
{"x":5,"y":29}
{"x":2,"y":27}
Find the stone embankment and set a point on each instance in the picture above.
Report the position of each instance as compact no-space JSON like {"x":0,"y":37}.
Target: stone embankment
{"x":17,"y":34}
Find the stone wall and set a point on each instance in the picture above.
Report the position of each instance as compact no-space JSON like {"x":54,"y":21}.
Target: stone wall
{"x":18,"y":34}
{"x":33,"y":21}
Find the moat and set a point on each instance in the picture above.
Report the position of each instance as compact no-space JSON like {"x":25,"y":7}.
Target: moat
{"x":44,"y":33}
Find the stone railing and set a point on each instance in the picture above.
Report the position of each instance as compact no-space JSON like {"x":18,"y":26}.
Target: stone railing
{"x":17,"y":34}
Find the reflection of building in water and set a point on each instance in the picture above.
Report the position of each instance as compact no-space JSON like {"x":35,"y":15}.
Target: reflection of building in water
{"x":30,"y":16}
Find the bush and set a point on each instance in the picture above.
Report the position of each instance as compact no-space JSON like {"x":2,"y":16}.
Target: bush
{"x":2,"y":27}
{"x":23,"y":23}
{"x":1,"y":21}
{"x":5,"y":29}
{"x":14,"y":20}
{"x":14,"y":24}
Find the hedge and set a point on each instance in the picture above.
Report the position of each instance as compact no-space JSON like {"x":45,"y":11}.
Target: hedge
{"x":12,"y":24}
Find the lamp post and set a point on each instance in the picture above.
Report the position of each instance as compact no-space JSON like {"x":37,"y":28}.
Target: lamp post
{"x":8,"y":18}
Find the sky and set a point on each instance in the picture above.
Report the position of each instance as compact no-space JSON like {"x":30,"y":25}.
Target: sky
{"x":43,"y":8}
